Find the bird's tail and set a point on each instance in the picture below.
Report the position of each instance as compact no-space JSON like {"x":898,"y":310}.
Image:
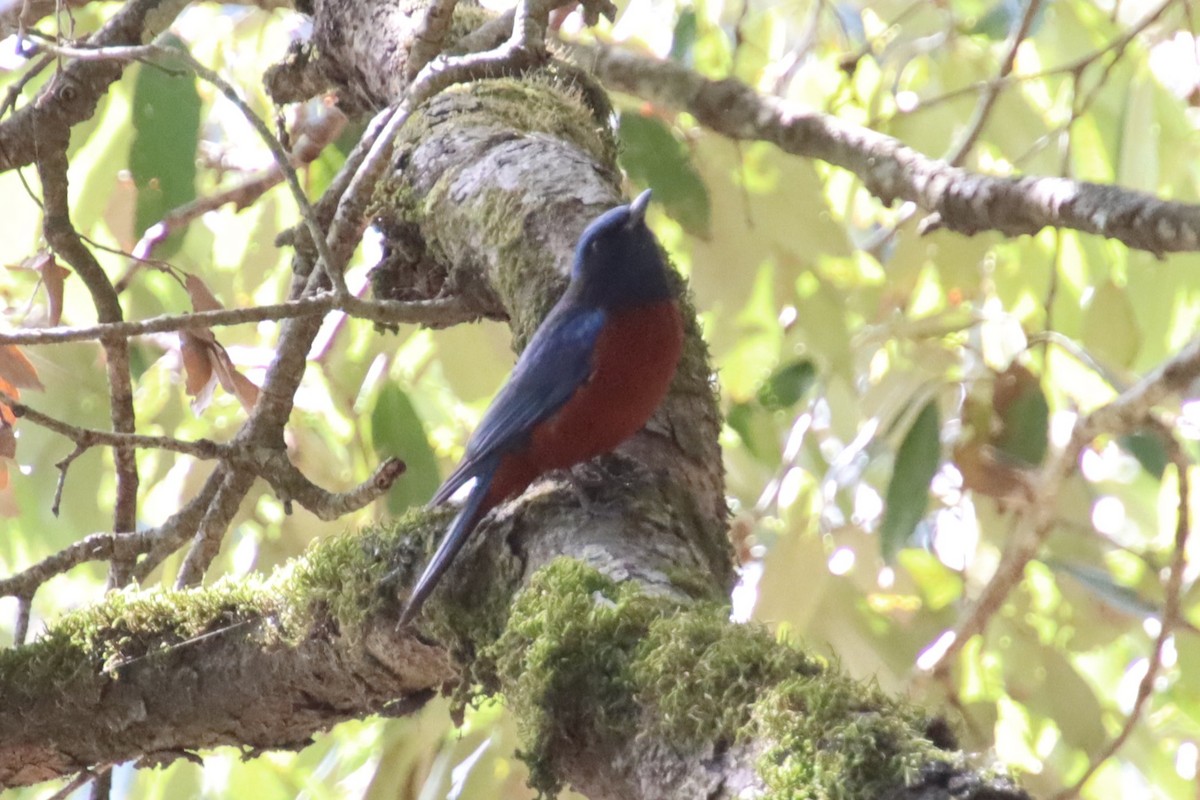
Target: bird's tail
{"x":460,"y":530}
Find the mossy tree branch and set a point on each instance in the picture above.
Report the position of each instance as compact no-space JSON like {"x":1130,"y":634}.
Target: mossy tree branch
{"x":620,"y":663}
{"x":663,"y":691}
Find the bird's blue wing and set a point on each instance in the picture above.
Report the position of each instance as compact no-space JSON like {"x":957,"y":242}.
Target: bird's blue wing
{"x":557,"y":361}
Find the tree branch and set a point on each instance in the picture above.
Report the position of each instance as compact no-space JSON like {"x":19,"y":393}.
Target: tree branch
{"x":431,"y":313}
{"x":62,"y":237}
{"x":963,"y":201}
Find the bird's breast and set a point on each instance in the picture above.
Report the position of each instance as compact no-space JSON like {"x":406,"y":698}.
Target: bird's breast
{"x":633,"y":364}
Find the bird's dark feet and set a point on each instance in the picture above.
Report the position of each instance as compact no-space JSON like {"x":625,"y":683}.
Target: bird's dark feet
{"x":595,"y":482}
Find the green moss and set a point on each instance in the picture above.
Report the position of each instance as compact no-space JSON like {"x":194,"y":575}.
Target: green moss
{"x":565,"y":662}
{"x":528,"y":284}
{"x":837,"y":738}
{"x":543,"y":101}
{"x":467,"y":18}
{"x":347,"y":579}
{"x":586,"y":662}
{"x":126,"y":627}
{"x":701,"y":674}
{"x":341,"y":580}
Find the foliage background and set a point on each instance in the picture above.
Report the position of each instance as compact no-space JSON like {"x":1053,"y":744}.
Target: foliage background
{"x":832,"y":325}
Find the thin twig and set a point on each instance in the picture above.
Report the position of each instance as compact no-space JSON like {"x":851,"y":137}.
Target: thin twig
{"x":24,"y":608}
{"x":290,"y":484}
{"x":1073,"y":67}
{"x":79,"y":781}
{"x":156,"y":54}
{"x":1128,"y":412}
{"x":434,"y":313}
{"x":62,"y":466}
{"x":987,"y":101}
{"x":90,"y":437}
{"x":96,"y":547}
{"x":65,"y":241}
{"x":428,"y":38}
{"x":1170,"y":616}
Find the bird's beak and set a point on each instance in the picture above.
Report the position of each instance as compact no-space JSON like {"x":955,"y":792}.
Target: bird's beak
{"x":637,"y":209}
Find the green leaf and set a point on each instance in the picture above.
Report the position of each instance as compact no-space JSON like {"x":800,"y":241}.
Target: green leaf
{"x":162,"y":155}
{"x":788,"y":384}
{"x":908,"y":492}
{"x":1110,"y":327}
{"x":757,"y":429}
{"x":1026,"y":432}
{"x":652,"y":155}
{"x":1001,"y":18}
{"x":396,"y":430}
{"x":683,"y":39}
{"x":1103,"y":586}
{"x":1148,"y":449}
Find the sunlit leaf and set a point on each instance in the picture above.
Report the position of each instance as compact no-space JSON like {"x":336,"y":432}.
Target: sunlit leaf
{"x":652,"y":156}
{"x":917,"y":461}
{"x":1110,"y":327}
{"x":16,"y":369}
{"x":1101,"y":585}
{"x":397,"y":431}
{"x":1020,"y":404}
{"x":162,"y":156}
{"x":788,"y":384}
{"x":1149,"y":451}
{"x":757,"y":429}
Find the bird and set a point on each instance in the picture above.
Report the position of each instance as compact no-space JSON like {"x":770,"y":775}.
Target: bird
{"x":594,"y":372}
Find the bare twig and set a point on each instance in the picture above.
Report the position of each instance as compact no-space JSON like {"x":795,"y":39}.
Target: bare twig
{"x":1170,"y":616}
{"x":291,"y":484}
{"x":235,"y":483}
{"x":80,"y":780}
{"x":1073,"y":67}
{"x":987,"y":101}
{"x":179,"y":527}
{"x":157,"y":54}
{"x":62,"y":466}
{"x":24,"y":608}
{"x":90,"y":437}
{"x":242,"y":194}
{"x":434,"y":313}
{"x":966,"y":202}
{"x":71,"y":96}
{"x":427,"y":41}
{"x":1128,"y":412}
{"x":62,"y":237}
{"x":96,"y":547}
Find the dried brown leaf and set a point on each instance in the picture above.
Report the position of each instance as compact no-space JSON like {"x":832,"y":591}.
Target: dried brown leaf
{"x":16,"y":370}
{"x":202,"y":298}
{"x":54,"y":276}
{"x":7,"y":417}
{"x":8,"y":441}
{"x":199,"y":377}
{"x":233,"y":381}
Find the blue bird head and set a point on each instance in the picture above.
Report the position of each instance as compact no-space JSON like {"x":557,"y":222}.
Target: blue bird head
{"x":618,"y":262}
